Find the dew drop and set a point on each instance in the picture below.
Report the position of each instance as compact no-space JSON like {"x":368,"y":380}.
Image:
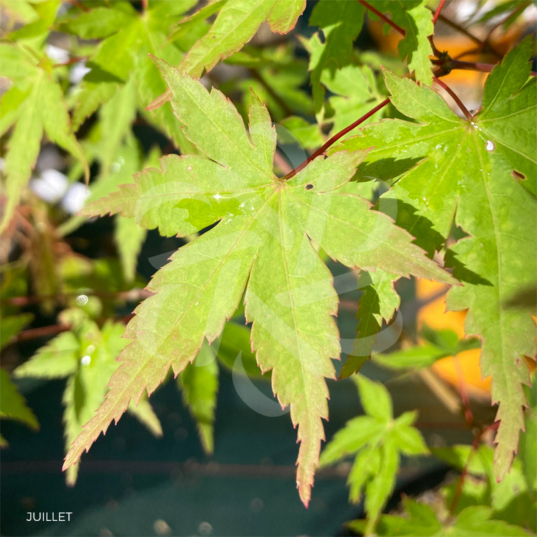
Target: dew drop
{"x":81,"y":300}
{"x":90,"y":349}
{"x":438,"y":146}
{"x":217,"y":197}
{"x":85,"y":360}
{"x":189,"y":168}
{"x":490,"y":145}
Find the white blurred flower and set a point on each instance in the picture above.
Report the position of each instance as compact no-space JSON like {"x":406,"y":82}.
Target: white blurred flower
{"x":57,"y":54}
{"x":50,"y":186}
{"x":74,"y":198}
{"x":78,"y":72}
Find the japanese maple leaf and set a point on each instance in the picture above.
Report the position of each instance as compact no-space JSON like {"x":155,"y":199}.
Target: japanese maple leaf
{"x":264,"y":247}
{"x":464,"y":175}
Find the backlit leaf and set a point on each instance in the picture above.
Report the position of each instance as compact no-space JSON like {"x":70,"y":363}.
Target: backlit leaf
{"x":40,"y":109}
{"x":262,"y":247}
{"x":473,"y":186}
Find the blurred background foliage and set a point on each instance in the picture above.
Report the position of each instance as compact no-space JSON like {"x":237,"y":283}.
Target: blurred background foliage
{"x":69,"y":285}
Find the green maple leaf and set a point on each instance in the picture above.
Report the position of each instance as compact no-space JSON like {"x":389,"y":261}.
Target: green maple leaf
{"x":13,"y":406}
{"x":355,"y":93}
{"x":11,"y":326}
{"x":422,"y":520}
{"x":378,"y":303}
{"x":297,"y":129}
{"x":512,"y":499}
{"x":340,"y":22}
{"x":121,"y":63}
{"x":437,"y":345}
{"x":32,"y":106}
{"x":417,"y":21}
{"x":236,"y":24}
{"x":464,"y":175}
{"x":264,"y":246}
{"x":86,"y":356}
{"x":377,"y":441}
{"x":39,"y":18}
{"x":199,"y":385}
{"x":279,"y":78}
{"x":118,"y":163}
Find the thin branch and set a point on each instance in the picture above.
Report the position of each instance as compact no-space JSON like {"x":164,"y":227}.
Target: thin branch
{"x":513,"y":13}
{"x":483,"y":45}
{"x":438,"y":11}
{"x":75,"y":59}
{"x":458,"y":492}
{"x":145,"y":4}
{"x":460,"y":29}
{"x":78,"y":4}
{"x":455,"y":97}
{"x":46,"y":331}
{"x":43,"y":331}
{"x":468,"y":414}
{"x":465,"y":471}
{"x":336,"y":137}
{"x":455,"y":64}
{"x":383,"y":17}
{"x":472,"y":66}
{"x":133,"y":295}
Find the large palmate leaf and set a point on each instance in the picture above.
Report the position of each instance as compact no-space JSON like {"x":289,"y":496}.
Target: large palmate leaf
{"x":377,"y":440}
{"x":464,"y":174}
{"x":86,"y":356}
{"x":264,"y":246}
{"x":33,"y":105}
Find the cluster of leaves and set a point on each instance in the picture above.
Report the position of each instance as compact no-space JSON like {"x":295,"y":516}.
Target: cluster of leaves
{"x":257,"y":241}
{"x":378,"y":441}
{"x":481,"y":506}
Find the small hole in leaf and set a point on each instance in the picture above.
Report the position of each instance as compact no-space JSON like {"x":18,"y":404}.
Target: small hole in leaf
{"x":309,"y":187}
